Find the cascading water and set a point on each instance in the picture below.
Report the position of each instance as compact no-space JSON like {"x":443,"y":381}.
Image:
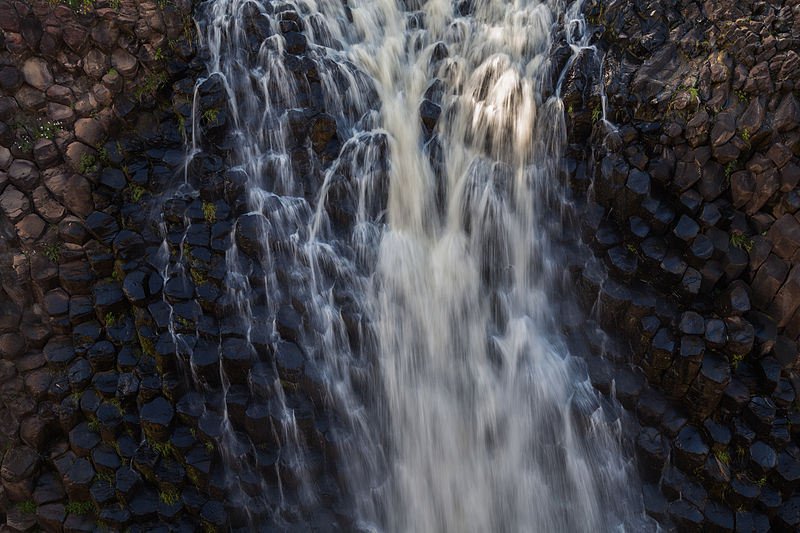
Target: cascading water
{"x":408,"y":269}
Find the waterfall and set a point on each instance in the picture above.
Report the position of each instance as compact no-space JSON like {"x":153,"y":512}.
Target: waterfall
{"x":394,"y":354}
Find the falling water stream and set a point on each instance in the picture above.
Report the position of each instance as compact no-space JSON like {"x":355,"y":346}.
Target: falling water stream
{"x":411,"y":269}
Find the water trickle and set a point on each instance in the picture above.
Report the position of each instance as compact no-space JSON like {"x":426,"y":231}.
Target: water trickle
{"x":392,"y":346}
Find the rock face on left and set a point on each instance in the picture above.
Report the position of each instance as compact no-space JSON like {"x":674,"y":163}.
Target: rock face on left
{"x":80,"y":82}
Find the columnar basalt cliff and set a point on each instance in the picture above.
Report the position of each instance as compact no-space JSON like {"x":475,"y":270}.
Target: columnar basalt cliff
{"x":689,"y":199}
{"x":135,"y":394}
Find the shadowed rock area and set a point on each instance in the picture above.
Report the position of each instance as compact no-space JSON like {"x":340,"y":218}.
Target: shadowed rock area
{"x":688,"y":196}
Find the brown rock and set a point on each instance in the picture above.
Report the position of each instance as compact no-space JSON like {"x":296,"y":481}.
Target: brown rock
{"x":86,"y":104}
{"x":790,"y":176}
{"x":8,"y":106}
{"x":103,"y":94}
{"x":44,"y":272}
{"x":31,"y":99}
{"x":23,"y":174}
{"x":9,"y":19}
{"x":125,"y":63}
{"x":787,"y":300}
{"x":15,"y":43}
{"x":752,"y":118}
{"x":89,"y":131}
{"x":767,"y":184}
{"x":790,"y":68}
{"x":779,"y":154}
{"x":46,"y":205}
{"x":785,"y":236}
{"x":45,"y":153}
{"x":724,"y":128}
{"x":759,"y":81}
{"x":75,"y":36}
{"x":758,"y":164}
{"x":79,"y":156}
{"x":5,"y":158}
{"x":12,"y":346}
{"x":10,"y":79}
{"x":113,"y":82}
{"x":787,"y":116}
{"x":78,"y":196}
{"x":96,"y":64}
{"x":20,"y":466}
{"x":29,"y":229}
{"x":60,"y":94}
{"x":742,"y":187}
{"x":76,"y":277}
{"x":726,"y":153}
{"x":697,"y":129}
{"x":55,"y":179}
{"x":72,"y":230}
{"x":37,"y":73}
{"x":105,"y":34}
{"x":60,"y":113}
{"x":14,"y":203}
{"x":768,"y":280}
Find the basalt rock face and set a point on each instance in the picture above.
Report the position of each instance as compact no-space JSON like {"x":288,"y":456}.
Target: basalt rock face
{"x":689,"y":197}
{"x":86,"y":130}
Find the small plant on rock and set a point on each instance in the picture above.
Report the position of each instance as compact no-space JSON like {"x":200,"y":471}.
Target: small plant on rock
{"x":761,"y":482}
{"x":110,"y":319}
{"x":87,"y":162}
{"x":730,"y":168}
{"x":596,"y":114}
{"x":198,"y":277}
{"x":209,"y":212}
{"x":52,"y":251}
{"x":94,"y":425}
{"x":723,"y":457}
{"x":170,"y":496}
{"x":740,"y":241}
{"x":152,"y":82}
{"x":743,"y":96}
{"x":79,"y":508}
{"x":164,"y":449}
{"x":211,"y":114}
{"x":746,"y":135}
{"x":46,"y":130}
{"x":736,"y":359}
{"x":27,"y":507}
{"x":136,"y":193}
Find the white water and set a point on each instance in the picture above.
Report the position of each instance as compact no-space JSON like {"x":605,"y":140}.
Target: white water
{"x":458,"y":406}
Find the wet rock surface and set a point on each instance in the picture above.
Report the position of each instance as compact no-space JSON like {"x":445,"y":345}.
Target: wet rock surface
{"x":692,"y":167}
{"x":692,"y":211}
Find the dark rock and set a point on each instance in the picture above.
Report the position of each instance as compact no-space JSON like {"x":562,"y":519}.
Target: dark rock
{"x":156,"y":417}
